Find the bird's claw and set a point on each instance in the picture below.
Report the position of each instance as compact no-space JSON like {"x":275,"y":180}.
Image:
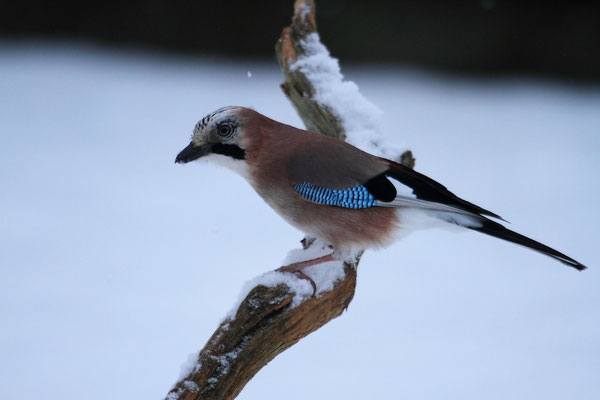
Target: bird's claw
{"x":296,"y":270}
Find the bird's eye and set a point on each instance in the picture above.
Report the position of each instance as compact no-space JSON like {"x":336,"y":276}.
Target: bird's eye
{"x":224,"y":130}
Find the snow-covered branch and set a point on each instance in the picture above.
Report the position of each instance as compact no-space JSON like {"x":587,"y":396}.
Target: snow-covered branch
{"x":278,"y":309}
{"x":325,"y":101}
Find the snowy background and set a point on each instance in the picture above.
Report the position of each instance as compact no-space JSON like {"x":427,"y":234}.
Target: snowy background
{"x":116,"y":264}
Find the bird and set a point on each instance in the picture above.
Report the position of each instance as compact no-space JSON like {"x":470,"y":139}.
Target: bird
{"x":335,"y":192}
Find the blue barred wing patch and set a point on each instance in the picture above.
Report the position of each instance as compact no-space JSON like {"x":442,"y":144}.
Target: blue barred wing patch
{"x":355,"y":197}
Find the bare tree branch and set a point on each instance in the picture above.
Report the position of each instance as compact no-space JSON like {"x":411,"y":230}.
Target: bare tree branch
{"x":266,"y":323}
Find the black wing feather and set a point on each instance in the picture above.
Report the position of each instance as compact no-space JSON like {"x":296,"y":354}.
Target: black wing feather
{"x":381,"y":188}
{"x":423,"y":187}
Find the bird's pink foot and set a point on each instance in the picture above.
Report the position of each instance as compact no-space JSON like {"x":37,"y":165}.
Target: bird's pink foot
{"x":296,"y":268}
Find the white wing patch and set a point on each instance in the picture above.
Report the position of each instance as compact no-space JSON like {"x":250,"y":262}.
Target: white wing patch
{"x":405,"y":198}
{"x":402,"y":189}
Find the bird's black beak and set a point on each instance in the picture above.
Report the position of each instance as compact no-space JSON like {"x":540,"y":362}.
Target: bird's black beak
{"x":193,"y":152}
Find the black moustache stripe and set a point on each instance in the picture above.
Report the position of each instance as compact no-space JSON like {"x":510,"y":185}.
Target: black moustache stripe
{"x":229,"y":150}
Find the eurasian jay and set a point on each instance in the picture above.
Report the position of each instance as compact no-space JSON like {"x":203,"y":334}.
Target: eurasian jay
{"x":334,"y":191}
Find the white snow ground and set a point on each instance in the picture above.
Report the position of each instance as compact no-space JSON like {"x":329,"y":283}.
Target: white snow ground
{"x":116,"y":264}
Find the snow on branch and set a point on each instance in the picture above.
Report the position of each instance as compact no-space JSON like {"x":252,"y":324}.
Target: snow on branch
{"x":326,"y":102}
{"x":276,"y":310}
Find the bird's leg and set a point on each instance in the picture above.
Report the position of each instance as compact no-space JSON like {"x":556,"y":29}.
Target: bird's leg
{"x":296,"y":268}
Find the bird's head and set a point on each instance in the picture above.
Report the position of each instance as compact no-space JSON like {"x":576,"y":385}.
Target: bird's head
{"x":219,"y":133}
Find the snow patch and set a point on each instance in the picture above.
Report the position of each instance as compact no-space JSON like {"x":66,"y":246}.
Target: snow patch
{"x":191,"y":386}
{"x":305,"y":10}
{"x":225,"y":359}
{"x":174,"y":395}
{"x":324,"y":275}
{"x":317,"y":249}
{"x":301,"y":288}
{"x":190,"y":366}
{"x":360,"y":118}
{"x":187,"y":385}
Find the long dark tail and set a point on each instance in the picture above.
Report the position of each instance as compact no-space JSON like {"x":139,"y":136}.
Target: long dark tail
{"x":432,"y":196}
{"x":493,"y":228}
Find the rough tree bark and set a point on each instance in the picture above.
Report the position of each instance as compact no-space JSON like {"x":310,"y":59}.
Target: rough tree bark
{"x":265,"y":324}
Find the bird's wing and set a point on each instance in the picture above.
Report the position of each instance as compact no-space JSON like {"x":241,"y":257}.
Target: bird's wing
{"x":358,"y":180}
{"x":327,"y":171}
{"x":413,"y":186}
{"x":331,"y":163}
{"x":335,"y":173}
